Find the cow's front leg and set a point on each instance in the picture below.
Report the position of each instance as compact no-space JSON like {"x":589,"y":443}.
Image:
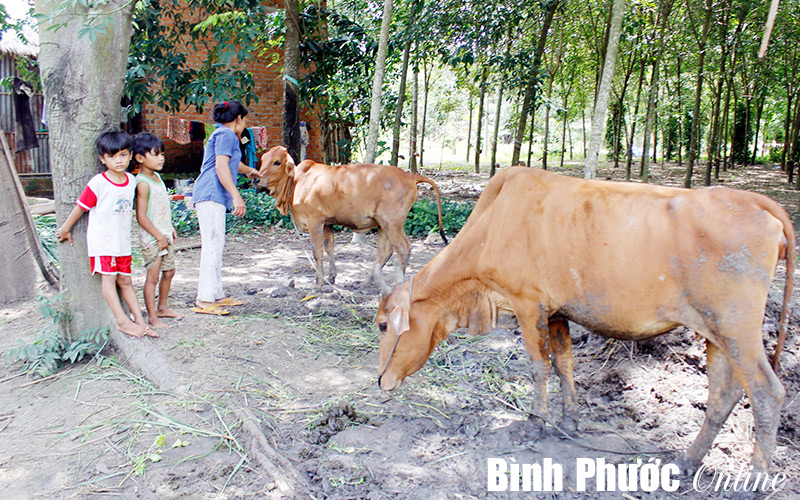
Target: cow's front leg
{"x":561,"y":348}
{"x":316,"y":233}
{"x":534,"y":332}
{"x":328,"y":245}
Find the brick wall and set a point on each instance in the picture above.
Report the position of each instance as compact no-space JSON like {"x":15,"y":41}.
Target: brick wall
{"x":264,"y":113}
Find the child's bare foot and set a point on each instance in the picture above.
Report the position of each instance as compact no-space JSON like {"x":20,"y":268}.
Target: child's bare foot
{"x":152,"y":333}
{"x":132,"y":329}
{"x":168,"y":313}
{"x":158,"y":324}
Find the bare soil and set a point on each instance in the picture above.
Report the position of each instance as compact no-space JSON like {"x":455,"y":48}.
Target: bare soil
{"x":304,"y":363}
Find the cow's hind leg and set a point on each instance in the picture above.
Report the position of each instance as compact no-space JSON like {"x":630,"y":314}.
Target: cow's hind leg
{"x":723,"y":394}
{"x":561,"y":348}
{"x":749,"y":365}
{"x":383,"y":255}
{"x":316,"y":232}
{"x":328,"y":245}
{"x":399,"y":244}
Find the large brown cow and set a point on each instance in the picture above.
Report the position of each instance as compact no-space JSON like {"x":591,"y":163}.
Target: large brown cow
{"x":359,"y":196}
{"x":628,"y":261}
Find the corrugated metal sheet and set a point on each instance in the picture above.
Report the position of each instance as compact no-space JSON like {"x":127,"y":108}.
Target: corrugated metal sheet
{"x":38,"y":158}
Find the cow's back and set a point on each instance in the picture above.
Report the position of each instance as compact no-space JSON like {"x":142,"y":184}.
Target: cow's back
{"x":352,"y":195}
{"x":622,"y":257}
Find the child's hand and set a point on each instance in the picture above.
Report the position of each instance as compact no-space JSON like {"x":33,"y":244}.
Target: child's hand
{"x":174,"y":235}
{"x":163,"y":243}
{"x":63,"y":235}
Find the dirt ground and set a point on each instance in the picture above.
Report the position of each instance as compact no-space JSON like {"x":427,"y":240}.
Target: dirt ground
{"x":304,"y":364}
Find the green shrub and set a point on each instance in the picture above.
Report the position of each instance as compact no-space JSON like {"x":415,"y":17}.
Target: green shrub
{"x":423,"y":219}
{"x":261,"y":211}
{"x":775,"y":155}
{"x":50,"y":351}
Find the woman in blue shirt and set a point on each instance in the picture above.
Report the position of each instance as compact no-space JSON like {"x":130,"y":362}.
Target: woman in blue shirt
{"x":215,"y":194}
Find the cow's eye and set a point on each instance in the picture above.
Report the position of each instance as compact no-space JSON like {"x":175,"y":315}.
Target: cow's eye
{"x":382,"y":327}
{"x":277,"y":163}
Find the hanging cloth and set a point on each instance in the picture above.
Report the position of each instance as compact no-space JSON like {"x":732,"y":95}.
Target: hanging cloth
{"x":260,"y":136}
{"x":178,"y":130}
{"x":25,"y":129}
{"x":249,"y":148}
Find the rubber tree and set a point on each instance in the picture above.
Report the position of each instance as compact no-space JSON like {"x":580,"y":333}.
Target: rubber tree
{"x":377,"y":84}
{"x":604,"y":91}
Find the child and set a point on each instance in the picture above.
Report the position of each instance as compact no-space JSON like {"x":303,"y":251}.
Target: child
{"x":109,"y":200}
{"x":156,"y":233}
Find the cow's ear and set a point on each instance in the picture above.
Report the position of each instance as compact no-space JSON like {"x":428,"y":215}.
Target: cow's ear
{"x":399,"y":320}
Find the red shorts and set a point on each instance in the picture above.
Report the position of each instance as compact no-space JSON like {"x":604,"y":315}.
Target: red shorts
{"x":111,"y":265}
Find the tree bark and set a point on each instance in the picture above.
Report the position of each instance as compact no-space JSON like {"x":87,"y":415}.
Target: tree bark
{"x":401,"y":99}
{"x":604,"y":91}
{"x":412,"y":132}
{"x":377,"y":84}
{"x":291,"y":76}
{"x":482,"y":98}
{"x":666,"y":9}
{"x":17,"y":266}
{"x":426,"y":79}
{"x":694,"y":143}
{"x":634,"y":119}
{"x":82,"y":82}
{"x":496,"y":131}
{"x":530,"y":90}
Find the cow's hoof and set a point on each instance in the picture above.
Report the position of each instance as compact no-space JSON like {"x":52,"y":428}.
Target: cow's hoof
{"x":688,"y":465}
{"x":326,"y":288}
{"x":569,"y":426}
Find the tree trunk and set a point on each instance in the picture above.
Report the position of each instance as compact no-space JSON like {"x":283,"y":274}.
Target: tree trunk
{"x":666,"y":9}
{"x":412,"y":133}
{"x":604,"y":91}
{"x":759,"y":110}
{"x":496,"y":131}
{"x":634,"y":119}
{"x":377,"y":84}
{"x":530,"y":140}
{"x":530,"y":89}
{"x":482,"y":98}
{"x":401,"y":98}
{"x":680,"y":115}
{"x":82,"y":82}
{"x":469,"y":127}
{"x":564,"y":124}
{"x":426,"y":78}
{"x":547,"y":123}
{"x":694,"y":143}
{"x":291,"y":71}
{"x":787,"y":122}
{"x":17,"y":265}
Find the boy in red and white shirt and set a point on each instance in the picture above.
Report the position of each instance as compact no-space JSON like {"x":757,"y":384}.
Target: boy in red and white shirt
{"x":109,"y":200}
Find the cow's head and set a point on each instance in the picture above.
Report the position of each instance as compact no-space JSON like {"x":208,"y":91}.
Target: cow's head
{"x":277,"y":176}
{"x":407,"y":336}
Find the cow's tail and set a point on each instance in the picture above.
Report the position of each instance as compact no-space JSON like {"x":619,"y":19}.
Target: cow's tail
{"x":791,"y":256}
{"x":420,"y":178}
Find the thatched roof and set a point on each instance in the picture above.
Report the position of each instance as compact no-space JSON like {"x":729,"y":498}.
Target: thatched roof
{"x":10,"y":43}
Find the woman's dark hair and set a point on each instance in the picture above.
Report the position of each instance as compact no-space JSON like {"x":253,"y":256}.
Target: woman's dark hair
{"x":227,"y":111}
{"x":145,"y":143}
{"x":112,"y":142}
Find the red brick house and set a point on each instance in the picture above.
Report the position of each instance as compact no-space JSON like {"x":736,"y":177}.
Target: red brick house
{"x":264,"y":113}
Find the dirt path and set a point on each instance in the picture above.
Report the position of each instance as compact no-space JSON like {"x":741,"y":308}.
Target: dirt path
{"x":304,"y":363}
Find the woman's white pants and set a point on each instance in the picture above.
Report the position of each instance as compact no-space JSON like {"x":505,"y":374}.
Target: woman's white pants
{"x":211,"y":218}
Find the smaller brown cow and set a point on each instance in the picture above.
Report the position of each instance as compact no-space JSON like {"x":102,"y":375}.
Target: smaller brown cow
{"x":628,"y":261}
{"x":359,"y":196}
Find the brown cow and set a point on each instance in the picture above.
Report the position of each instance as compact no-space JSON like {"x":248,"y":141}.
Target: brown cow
{"x":628,"y":261}
{"x":359,"y":196}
